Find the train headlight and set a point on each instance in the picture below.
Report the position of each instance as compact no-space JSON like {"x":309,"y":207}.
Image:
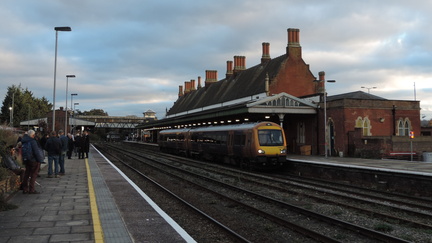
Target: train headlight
{"x":260,"y":151}
{"x":283,"y":151}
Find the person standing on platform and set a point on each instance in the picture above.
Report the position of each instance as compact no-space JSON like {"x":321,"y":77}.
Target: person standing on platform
{"x":86,"y":144}
{"x":54,"y":147}
{"x":65,"y":146}
{"x":32,"y":158}
{"x":79,"y":143}
{"x":71,"y":145}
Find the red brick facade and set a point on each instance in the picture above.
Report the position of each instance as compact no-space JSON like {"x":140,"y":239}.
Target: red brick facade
{"x":384,"y":118}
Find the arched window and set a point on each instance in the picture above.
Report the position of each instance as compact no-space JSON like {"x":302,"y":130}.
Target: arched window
{"x":404,"y":127}
{"x":359,"y":122}
{"x":366,"y":127}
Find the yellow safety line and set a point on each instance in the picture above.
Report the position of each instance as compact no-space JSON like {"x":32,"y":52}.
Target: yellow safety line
{"x":97,"y":227}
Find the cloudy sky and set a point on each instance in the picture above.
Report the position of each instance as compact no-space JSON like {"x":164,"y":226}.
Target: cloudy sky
{"x":131,"y":55}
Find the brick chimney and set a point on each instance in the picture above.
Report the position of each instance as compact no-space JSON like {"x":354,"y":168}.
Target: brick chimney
{"x":180,"y":94}
{"x":199,"y":82}
{"x":294,"y":48}
{"x":211,"y":77}
{"x":239,"y":63}
{"x":192,"y":83}
{"x":186,"y":87}
{"x":265,"y":52}
{"x":229,"y":71}
{"x":321,"y":80}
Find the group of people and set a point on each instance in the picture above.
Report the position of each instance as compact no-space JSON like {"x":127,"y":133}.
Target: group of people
{"x":56,"y":146}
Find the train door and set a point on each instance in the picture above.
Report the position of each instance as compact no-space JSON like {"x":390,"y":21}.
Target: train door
{"x":230,"y":143}
{"x":250,"y":139}
{"x":239,"y":140}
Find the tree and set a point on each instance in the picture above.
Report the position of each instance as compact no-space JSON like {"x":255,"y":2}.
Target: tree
{"x":24,"y":106}
{"x":95,"y":112}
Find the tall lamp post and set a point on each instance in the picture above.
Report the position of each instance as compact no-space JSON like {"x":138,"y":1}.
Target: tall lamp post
{"x":66,"y":116}
{"x":368,"y":88}
{"x":325,"y":109}
{"x":72,"y":109}
{"x":325,"y":117}
{"x":57,"y":29}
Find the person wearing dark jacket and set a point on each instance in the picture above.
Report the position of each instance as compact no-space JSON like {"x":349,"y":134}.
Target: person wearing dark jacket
{"x":86,"y":149}
{"x":53,"y":147}
{"x":79,"y":143}
{"x":32,"y":158}
{"x":65,"y":146}
{"x":71,"y":145}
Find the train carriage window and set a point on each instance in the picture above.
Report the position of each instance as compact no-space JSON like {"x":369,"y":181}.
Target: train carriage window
{"x":270,"y":137}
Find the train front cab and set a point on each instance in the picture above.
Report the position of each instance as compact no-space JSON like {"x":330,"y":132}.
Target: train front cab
{"x":269,"y":146}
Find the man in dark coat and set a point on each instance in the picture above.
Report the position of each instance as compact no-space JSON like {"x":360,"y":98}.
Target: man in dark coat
{"x":71,"y":145}
{"x":86,"y":143}
{"x":32,"y":158}
{"x":54,"y":147}
{"x":79,"y":144}
{"x":65,"y":146}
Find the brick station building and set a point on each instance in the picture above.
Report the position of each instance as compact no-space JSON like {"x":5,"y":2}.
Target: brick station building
{"x":284,"y":90}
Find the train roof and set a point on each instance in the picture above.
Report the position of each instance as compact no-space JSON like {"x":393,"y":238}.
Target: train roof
{"x":221,"y":128}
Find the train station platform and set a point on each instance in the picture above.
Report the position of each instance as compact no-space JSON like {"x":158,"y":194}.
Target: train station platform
{"x":92,"y":202}
{"x":387,"y":165}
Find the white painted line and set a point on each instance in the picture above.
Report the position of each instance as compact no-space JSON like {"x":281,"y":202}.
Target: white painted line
{"x":167,"y":218}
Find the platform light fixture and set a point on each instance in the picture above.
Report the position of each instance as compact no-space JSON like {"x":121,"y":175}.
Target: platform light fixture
{"x":368,"y":88}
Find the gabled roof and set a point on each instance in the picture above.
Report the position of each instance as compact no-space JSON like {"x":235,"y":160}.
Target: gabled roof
{"x":246,"y":83}
{"x":359,"y":95}
{"x":282,"y":103}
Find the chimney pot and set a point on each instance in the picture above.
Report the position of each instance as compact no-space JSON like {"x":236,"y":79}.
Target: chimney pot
{"x":199,"y":82}
{"x":211,"y":77}
{"x":229,"y":71}
{"x":180,"y":91}
{"x":265,"y":52}
{"x":293,"y":49}
{"x":186,"y":87}
{"x":192,"y":82}
{"x":239,"y":63}
{"x":321,"y":82}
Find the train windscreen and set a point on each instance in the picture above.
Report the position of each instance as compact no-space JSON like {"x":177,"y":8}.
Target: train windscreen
{"x":270,"y":137}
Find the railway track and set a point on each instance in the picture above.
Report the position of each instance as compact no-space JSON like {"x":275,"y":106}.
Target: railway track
{"x":344,"y":230}
{"x":372,"y":202}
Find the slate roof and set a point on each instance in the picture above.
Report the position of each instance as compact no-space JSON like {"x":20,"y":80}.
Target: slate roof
{"x":359,"y":95}
{"x":243,"y":84}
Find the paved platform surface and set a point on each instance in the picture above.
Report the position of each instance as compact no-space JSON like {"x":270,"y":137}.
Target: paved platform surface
{"x":92,"y":202}
{"x":403,"y":166}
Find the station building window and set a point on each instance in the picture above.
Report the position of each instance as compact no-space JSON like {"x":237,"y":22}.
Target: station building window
{"x":364,"y":124}
{"x":359,"y":122}
{"x":366,"y":127}
{"x":404,"y":126}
